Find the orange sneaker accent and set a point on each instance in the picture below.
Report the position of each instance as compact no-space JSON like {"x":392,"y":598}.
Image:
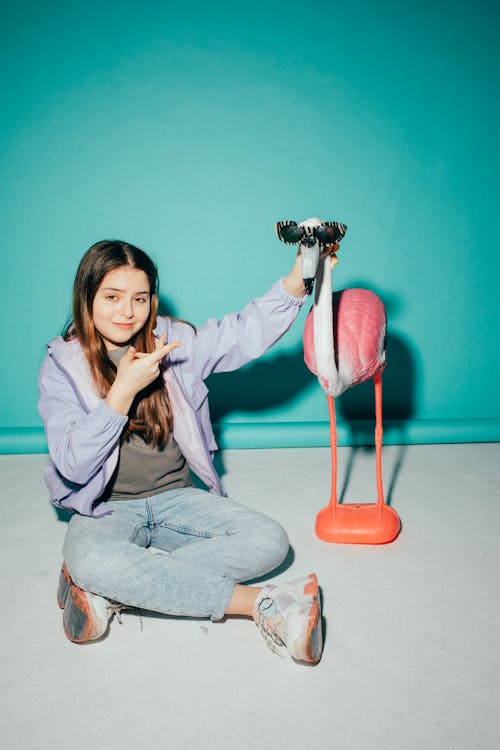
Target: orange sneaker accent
{"x":311,"y":588}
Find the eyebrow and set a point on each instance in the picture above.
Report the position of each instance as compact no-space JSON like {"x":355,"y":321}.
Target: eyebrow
{"x":123,"y":291}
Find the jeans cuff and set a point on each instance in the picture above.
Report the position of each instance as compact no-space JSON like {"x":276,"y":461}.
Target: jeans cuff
{"x":227,"y":588}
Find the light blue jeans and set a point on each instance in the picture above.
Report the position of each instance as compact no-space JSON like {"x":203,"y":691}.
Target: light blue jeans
{"x":211,"y":541}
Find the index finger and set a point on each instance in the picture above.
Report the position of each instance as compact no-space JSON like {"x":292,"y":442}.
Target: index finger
{"x":162,"y":351}
{"x":161,"y":341}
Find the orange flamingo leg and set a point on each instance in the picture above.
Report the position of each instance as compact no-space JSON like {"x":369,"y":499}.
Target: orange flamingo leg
{"x":333,"y":451}
{"x":379,"y":433}
{"x":358,"y":523}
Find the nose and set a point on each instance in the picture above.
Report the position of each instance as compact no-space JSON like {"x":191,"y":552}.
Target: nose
{"x":127,"y":308}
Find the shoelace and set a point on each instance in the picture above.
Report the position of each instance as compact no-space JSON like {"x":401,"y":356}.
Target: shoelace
{"x":116,"y":609}
{"x":271,"y":638}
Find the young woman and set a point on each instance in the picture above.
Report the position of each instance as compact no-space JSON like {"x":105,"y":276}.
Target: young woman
{"x":126,"y":417}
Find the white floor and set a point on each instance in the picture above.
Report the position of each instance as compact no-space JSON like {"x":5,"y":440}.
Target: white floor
{"x":412,"y":654}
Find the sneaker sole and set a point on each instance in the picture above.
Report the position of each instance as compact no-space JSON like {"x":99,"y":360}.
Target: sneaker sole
{"x":313,"y":641}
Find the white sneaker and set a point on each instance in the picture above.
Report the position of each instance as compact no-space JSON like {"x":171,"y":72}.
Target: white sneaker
{"x":289,"y":616}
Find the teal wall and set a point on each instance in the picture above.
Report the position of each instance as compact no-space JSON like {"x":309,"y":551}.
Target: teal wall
{"x":190,"y":128}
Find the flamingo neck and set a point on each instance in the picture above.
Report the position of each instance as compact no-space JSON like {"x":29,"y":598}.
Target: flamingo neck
{"x":324,"y":346}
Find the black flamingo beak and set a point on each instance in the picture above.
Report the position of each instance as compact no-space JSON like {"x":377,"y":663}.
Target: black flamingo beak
{"x":309,"y":285}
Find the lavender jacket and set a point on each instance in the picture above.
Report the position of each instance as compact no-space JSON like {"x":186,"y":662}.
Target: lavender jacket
{"x":83,"y":432}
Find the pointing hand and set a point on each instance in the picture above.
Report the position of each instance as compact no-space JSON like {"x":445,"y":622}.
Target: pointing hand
{"x":135,"y":372}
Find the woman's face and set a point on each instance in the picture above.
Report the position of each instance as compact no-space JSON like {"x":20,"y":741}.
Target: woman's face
{"x":121,"y":306}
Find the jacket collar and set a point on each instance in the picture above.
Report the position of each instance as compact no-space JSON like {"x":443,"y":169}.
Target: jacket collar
{"x":69,"y":357}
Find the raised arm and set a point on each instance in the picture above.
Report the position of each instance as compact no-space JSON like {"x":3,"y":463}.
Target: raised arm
{"x":229,"y":343}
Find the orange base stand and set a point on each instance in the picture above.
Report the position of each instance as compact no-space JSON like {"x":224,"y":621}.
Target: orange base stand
{"x":358,"y":523}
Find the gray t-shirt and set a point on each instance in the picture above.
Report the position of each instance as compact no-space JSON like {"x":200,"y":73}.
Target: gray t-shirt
{"x":144,"y":470}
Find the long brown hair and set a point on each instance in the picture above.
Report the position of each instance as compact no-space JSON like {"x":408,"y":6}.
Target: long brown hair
{"x":150,"y":415}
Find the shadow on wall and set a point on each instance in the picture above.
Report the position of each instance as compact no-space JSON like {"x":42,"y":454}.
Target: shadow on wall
{"x":261,"y":385}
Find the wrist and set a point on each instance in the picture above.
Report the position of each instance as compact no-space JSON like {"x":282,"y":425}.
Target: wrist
{"x":294,"y":286}
{"x":294,"y":283}
{"x":119,"y":399}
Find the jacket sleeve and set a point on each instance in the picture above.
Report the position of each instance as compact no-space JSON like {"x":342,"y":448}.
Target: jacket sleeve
{"x":227,"y":344}
{"x":79,"y":441}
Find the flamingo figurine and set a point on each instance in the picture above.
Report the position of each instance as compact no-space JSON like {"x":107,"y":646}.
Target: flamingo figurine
{"x":344,"y":345}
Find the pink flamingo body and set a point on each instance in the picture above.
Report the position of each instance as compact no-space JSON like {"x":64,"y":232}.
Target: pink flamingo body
{"x":359,"y":332}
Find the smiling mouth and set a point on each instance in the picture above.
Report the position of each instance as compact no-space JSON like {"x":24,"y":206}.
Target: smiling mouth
{"x":124,"y":325}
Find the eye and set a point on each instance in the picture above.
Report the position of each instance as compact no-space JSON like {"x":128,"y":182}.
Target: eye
{"x":111,"y":297}
{"x":141,"y":299}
